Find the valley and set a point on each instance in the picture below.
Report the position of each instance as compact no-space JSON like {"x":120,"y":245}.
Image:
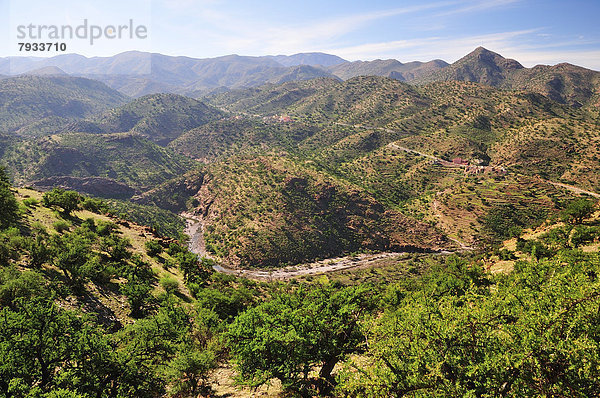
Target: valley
{"x":325,"y":165}
{"x":298,"y":226}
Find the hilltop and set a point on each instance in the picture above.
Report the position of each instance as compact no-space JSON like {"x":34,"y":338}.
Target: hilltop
{"x":159,"y":117}
{"x":565,"y":83}
{"x":28,"y":101}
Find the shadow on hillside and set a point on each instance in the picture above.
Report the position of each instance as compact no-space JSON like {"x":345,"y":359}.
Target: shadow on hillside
{"x":104,"y":314}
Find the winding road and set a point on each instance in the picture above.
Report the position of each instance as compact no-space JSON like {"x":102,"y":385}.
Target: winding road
{"x":195,"y":230}
{"x":573,"y":188}
{"x":443,"y":162}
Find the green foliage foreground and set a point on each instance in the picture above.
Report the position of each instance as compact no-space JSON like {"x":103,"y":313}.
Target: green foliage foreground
{"x":454,"y":331}
{"x":297,"y":332}
{"x":534,"y":332}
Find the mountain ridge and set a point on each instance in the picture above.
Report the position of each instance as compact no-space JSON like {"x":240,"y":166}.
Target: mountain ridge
{"x":136,"y":73}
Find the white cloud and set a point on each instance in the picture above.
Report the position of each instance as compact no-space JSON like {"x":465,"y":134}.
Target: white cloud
{"x":512,"y":44}
{"x":305,"y":37}
{"x":428,"y":48}
{"x":218,"y":31}
{"x":477,"y":6}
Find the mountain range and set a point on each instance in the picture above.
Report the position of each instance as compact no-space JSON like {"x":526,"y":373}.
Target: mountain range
{"x":136,"y":73}
{"x":286,"y":164}
{"x":298,"y":226}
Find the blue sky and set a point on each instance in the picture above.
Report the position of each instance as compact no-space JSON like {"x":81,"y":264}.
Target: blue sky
{"x":531,"y":31}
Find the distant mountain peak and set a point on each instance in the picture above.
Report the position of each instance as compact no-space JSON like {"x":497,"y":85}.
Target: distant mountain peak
{"x":490,"y":58}
{"x":482,"y":49}
{"x":481,"y":66}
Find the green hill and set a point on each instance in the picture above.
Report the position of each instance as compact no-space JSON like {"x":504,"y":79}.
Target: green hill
{"x":267,"y":211}
{"x":234,"y":135}
{"x":159,"y":117}
{"x":25,"y":100}
{"x":127,"y":158}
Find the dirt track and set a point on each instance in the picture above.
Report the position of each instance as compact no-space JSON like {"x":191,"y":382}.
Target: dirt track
{"x":317,"y":267}
{"x":195,"y":230}
{"x":573,"y":188}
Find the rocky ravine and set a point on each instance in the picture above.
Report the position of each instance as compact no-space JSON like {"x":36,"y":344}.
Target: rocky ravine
{"x":195,"y":230}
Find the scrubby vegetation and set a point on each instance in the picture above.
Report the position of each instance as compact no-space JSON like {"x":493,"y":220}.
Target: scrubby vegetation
{"x":163,"y":222}
{"x":42,"y":104}
{"x":270,"y":211}
{"x":449,"y":328}
{"x":59,"y":336}
{"x":93,"y":304}
{"x":364,"y":135}
{"x":159,"y":117}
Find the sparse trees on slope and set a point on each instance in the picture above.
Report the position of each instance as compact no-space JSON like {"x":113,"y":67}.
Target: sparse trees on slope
{"x":9,"y":208}
{"x":578,"y":210}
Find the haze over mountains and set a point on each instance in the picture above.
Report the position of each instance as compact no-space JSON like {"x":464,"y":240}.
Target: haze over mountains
{"x":136,"y":74}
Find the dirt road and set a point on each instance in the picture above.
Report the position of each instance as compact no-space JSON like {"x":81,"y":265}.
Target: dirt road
{"x":195,"y":230}
{"x":573,"y":188}
{"x":317,"y":267}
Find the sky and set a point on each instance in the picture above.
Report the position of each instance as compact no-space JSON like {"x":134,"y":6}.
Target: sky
{"x":530,"y":31}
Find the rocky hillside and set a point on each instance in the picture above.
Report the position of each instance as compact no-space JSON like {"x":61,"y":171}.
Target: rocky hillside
{"x":564,"y":83}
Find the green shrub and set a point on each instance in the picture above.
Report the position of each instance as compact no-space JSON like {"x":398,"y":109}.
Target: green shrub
{"x":105,"y":228}
{"x":578,"y":210}
{"x":31,"y":202}
{"x":175,"y":249}
{"x":68,"y":201}
{"x":94,"y":205}
{"x":38,"y":245}
{"x":170,"y":284}
{"x":61,"y":226}
{"x":9,"y":208}
{"x":583,"y":234}
{"x":10,"y":245}
{"x":118,"y":248}
{"x":153,"y":248}
{"x":558,"y":237}
{"x":506,"y":255}
{"x":534,"y":247}
{"x":89,"y":223}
